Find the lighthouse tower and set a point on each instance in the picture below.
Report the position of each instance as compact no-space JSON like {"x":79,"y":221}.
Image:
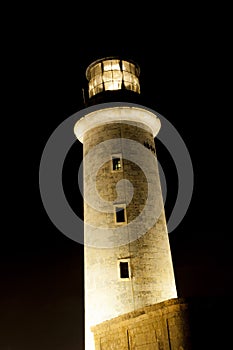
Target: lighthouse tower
{"x":128,"y":263}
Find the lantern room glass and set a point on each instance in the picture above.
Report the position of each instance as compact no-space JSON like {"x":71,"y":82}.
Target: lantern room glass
{"x":112,"y":74}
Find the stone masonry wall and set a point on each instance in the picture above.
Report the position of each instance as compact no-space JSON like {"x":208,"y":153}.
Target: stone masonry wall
{"x":163,"y":326}
{"x":151,"y":270}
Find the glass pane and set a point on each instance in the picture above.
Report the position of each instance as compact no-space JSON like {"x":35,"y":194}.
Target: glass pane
{"x":125,"y":66}
{"x":136,"y":83}
{"x":134,"y":88}
{"x":91,"y":84}
{"x":127,"y":76}
{"x":107,"y":65}
{"x":107,"y":76}
{"x":92,"y":72}
{"x":97,"y":69}
{"x":98,"y":79}
{"x":115,"y":65}
{"x":99,"y":88}
{"x":134,"y":80}
{"x":114,"y":85}
{"x":127,"y":85}
{"x":117,"y":75}
{"x":109,"y":86}
{"x":117,"y":85}
{"x":132,"y":68}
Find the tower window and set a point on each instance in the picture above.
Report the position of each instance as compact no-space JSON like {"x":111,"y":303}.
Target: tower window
{"x":124,"y":269}
{"x":116,"y":162}
{"x":120,"y":213}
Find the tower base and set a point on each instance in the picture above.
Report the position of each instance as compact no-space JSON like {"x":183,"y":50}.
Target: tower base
{"x":162,"y":326}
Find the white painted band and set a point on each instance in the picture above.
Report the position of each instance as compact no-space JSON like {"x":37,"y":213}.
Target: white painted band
{"x":116,"y":114}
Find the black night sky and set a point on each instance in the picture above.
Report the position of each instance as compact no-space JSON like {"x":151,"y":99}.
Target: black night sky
{"x":41,"y":270}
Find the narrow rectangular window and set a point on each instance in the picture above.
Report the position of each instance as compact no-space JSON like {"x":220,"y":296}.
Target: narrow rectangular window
{"x":120,"y":214}
{"x":116,"y":162}
{"x":124,"y":272}
{"x":124,"y":269}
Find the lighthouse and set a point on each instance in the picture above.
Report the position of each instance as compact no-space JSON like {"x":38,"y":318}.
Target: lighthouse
{"x":128,"y":270}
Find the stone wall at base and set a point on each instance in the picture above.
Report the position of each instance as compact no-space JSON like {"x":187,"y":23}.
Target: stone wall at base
{"x":162,"y":326}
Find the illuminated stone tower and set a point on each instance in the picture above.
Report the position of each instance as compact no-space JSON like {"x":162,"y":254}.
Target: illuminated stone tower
{"x":128,"y":264}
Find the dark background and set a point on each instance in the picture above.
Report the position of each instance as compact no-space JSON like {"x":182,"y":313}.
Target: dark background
{"x":182,"y":65}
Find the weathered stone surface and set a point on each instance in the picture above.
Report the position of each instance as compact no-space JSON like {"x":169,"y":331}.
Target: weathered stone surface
{"x":162,"y":326}
{"x":144,"y":245}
